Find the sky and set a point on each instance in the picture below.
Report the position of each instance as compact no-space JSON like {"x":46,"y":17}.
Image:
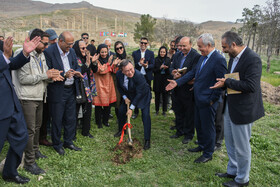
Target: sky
{"x":190,"y":10}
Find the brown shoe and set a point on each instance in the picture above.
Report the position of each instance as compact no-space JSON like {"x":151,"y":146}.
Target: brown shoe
{"x":45,"y":142}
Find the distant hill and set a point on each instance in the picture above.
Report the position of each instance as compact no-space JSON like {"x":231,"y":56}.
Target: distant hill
{"x":17,"y":17}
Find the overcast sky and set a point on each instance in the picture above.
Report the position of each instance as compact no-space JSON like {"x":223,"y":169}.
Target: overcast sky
{"x":191,"y":10}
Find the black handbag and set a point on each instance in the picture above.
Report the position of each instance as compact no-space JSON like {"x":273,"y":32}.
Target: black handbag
{"x":81,"y":97}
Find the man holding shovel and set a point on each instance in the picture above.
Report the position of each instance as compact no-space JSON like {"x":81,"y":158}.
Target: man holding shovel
{"x":136,"y":92}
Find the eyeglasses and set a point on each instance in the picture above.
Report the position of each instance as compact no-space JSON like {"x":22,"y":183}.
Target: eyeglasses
{"x":85,"y":37}
{"x":45,"y":44}
{"x":83,"y":48}
{"x":120,"y":48}
{"x":143,"y":43}
{"x":69,"y":44}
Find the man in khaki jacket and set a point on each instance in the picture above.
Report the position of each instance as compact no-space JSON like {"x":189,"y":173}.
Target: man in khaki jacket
{"x":30,"y":84}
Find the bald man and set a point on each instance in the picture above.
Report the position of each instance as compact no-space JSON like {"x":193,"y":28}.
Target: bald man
{"x":61,"y":95}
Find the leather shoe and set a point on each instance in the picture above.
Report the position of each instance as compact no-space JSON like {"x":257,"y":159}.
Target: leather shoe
{"x":38,"y":155}
{"x":72,"y":147}
{"x":225,"y":175}
{"x":175,"y":136}
{"x":186,"y":140}
{"x":202,"y":159}
{"x":118,"y":134}
{"x":60,"y":151}
{"x":34,"y":169}
{"x":88,"y":135}
{"x":217,"y":147}
{"x":45,"y":142}
{"x":17,"y":179}
{"x":173,"y":128}
{"x":134,"y":116}
{"x":233,"y":183}
{"x":107,"y":124}
{"x":194,"y":150}
{"x":147,"y":145}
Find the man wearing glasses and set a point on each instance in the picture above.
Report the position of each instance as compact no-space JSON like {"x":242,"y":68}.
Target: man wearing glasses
{"x":61,"y":95}
{"x":91,"y":48}
{"x":30,"y":85}
{"x":144,"y":61}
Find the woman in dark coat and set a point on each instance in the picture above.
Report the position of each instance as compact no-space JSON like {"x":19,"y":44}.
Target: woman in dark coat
{"x":161,"y":74}
{"x":87,"y":70}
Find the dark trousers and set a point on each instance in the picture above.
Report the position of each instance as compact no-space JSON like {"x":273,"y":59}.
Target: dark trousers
{"x":219,"y":124}
{"x":14,"y":130}
{"x":164,"y":100}
{"x":205,"y":128}
{"x":102,"y":114}
{"x":46,"y":120}
{"x":86,"y":119}
{"x":63,"y":114}
{"x":136,"y":110}
{"x":146,"y":119}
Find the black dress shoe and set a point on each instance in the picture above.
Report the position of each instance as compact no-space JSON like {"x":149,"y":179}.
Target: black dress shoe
{"x":118,"y":134}
{"x":147,"y":145}
{"x":134,"y":116}
{"x":164,"y":114}
{"x":107,"y":124}
{"x":186,"y":140}
{"x":173,"y":128}
{"x":88,"y":135}
{"x":197,"y":149}
{"x":34,"y":169}
{"x":202,"y":159}
{"x":175,"y":136}
{"x":38,"y":155}
{"x":233,"y":183}
{"x":17,"y":179}
{"x":60,"y":151}
{"x":217,"y":147}
{"x":72,"y":147}
{"x":225,"y":175}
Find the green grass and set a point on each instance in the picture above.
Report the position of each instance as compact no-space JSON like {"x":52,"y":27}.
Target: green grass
{"x":167,"y":163}
{"x":271,"y":77}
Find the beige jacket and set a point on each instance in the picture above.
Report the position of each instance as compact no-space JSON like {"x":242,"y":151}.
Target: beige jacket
{"x":31,"y":80}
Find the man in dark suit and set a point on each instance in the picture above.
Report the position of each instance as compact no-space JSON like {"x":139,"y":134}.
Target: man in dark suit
{"x":210,"y":66}
{"x":183,"y":101}
{"x":135,"y":91}
{"x":13,"y":126}
{"x":241,"y":109}
{"x":144,"y":61}
{"x":61,"y":95}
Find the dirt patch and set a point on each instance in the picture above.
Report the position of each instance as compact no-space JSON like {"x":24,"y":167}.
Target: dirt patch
{"x":270,"y":93}
{"x":123,"y":153}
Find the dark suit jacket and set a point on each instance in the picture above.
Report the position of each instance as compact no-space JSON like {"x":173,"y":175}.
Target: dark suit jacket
{"x":214,"y":68}
{"x":55,"y":89}
{"x":8,"y":98}
{"x":149,"y":56}
{"x":138,"y":92}
{"x":160,"y":80}
{"x":246,"y":107}
{"x":190,"y":62}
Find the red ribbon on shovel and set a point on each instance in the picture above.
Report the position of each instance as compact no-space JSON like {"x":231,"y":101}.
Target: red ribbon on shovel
{"x":123,"y":129}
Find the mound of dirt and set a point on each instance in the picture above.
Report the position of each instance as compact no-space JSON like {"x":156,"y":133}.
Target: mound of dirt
{"x":123,"y":153}
{"x":270,"y":93}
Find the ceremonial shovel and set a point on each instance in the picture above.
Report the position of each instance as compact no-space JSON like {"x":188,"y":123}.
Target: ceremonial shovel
{"x":128,"y":129}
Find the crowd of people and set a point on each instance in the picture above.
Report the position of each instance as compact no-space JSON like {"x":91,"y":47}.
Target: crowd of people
{"x":53,"y":82}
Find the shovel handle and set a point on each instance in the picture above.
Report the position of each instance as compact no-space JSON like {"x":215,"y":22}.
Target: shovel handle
{"x":128,"y":121}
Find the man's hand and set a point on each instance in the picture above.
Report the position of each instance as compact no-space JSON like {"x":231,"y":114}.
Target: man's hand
{"x":29,"y":46}
{"x":142,"y":61}
{"x":69,"y":74}
{"x":177,"y":76}
{"x":78,"y":74}
{"x":172,"y":84}
{"x":129,"y":113}
{"x":127,"y":101}
{"x":116,"y":61}
{"x":145,"y":64}
{"x":52,"y":73}
{"x":174,"y":72}
{"x":8,"y":47}
{"x":58,"y":78}
{"x":219,"y":84}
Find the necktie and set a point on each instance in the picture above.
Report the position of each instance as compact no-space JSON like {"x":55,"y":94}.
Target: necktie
{"x":203,"y":63}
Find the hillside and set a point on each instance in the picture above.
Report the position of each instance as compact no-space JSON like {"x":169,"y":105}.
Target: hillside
{"x":17,"y":17}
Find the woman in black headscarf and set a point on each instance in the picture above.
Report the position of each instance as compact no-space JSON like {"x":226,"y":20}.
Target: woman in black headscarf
{"x":87,"y":70}
{"x":106,"y":93}
{"x":161,"y":74}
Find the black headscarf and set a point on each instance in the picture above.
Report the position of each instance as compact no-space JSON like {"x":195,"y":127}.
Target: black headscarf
{"x":76,"y":47}
{"x":102,"y":60}
{"x":120,"y":56}
{"x":162,"y":58}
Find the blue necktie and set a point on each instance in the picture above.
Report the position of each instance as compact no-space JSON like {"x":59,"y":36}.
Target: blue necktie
{"x":203,"y":63}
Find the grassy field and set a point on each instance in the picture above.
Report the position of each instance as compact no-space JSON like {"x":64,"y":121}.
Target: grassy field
{"x":167,"y":163}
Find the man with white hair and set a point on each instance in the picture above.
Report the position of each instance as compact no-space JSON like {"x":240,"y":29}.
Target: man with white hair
{"x":210,"y":66}
{"x":108,"y":42}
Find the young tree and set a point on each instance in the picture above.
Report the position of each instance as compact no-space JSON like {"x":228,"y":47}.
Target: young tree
{"x":145,"y":28}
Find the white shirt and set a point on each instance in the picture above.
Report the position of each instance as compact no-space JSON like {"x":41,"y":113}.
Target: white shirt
{"x":66,"y":65}
{"x":142,"y":70}
{"x":236,"y":60}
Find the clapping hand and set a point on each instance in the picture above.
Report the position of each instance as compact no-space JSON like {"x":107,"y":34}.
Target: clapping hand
{"x":172,"y":84}
{"x":8,"y":47}
{"x":29,"y":46}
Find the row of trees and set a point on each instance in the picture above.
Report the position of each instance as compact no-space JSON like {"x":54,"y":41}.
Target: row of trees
{"x":261,"y":29}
